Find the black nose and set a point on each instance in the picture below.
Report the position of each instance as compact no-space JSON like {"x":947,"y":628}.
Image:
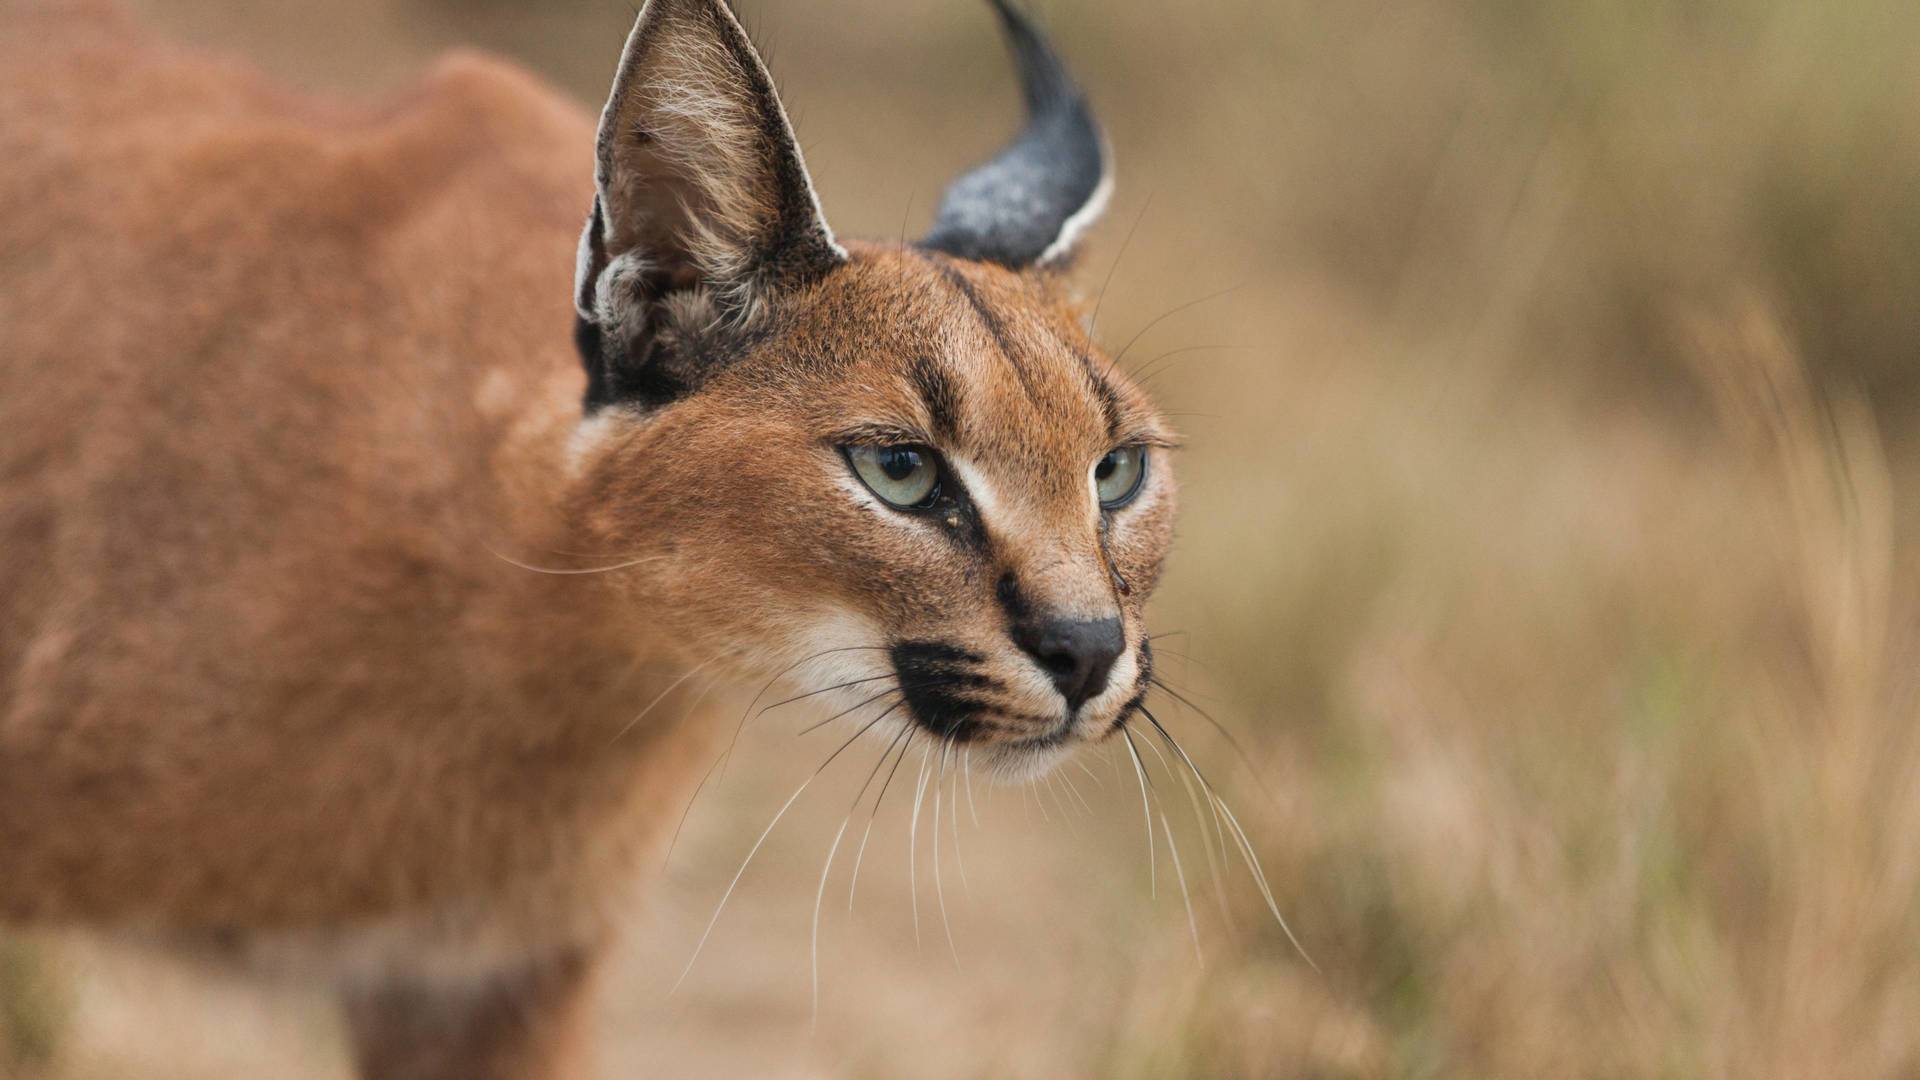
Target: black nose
{"x":1077,"y":653}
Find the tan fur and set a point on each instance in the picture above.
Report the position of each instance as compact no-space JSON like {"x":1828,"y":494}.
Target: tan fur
{"x":287,"y":397}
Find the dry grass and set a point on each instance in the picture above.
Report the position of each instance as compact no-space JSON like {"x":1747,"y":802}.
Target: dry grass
{"x":1547,"y":543}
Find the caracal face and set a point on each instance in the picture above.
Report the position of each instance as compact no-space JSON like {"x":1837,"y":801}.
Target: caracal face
{"x":902,"y":474}
{"x":926,"y":485}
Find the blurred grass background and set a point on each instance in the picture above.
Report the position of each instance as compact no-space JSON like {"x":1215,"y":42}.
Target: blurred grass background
{"x":1546,"y":543}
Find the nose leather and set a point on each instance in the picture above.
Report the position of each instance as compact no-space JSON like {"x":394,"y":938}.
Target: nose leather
{"x":1078,"y":654}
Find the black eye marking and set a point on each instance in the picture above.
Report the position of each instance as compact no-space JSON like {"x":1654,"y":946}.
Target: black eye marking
{"x":881,"y":465}
{"x":1120,"y":582}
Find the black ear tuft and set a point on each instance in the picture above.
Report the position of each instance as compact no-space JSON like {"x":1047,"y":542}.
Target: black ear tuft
{"x":702,"y":205}
{"x":1030,"y":204}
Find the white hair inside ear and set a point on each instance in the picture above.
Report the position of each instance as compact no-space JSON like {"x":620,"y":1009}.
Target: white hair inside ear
{"x":698,"y":176}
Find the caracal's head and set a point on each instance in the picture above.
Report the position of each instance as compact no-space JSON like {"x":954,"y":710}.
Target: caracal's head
{"x":905,"y":468}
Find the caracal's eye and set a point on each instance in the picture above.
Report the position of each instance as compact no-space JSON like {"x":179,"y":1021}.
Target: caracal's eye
{"x":902,"y":475}
{"x":1117,"y":476}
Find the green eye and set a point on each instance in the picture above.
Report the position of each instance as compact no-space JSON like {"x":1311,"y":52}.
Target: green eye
{"x":1117,"y":476}
{"x":904,"y":476}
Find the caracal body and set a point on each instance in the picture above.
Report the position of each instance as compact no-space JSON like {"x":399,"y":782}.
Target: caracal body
{"x":291,"y":411}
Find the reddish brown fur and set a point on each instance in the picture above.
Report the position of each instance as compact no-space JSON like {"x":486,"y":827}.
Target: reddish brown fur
{"x":287,"y":391}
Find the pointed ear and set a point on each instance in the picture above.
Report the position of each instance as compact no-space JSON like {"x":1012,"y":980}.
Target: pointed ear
{"x":1031,"y":203}
{"x":702,"y":203}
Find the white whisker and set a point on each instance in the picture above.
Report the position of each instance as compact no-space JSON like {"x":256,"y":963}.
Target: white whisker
{"x":1066,"y":811}
{"x":736,"y":881}
{"x":966,"y":766}
{"x":1075,"y":792}
{"x":1212,"y":816}
{"x":1091,"y":775}
{"x":939,"y":890}
{"x":953,"y":821}
{"x":877,"y":799}
{"x":849,"y":710}
{"x":755,"y":850}
{"x":748,"y":712}
{"x":688,"y":809}
{"x":852,"y":886}
{"x":1173,"y":848}
{"x":662,"y":696}
{"x":1260,"y":879}
{"x":913,"y":840}
{"x":1140,"y":771}
{"x":564,"y":572}
{"x":1180,"y":876}
{"x":674,"y":841}
{"x":813,"y":1020}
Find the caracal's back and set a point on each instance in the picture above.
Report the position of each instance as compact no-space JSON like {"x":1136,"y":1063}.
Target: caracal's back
{"x":261,"y":359}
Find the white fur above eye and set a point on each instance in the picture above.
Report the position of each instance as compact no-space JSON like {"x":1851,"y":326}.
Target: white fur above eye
{"x":985,"y":497}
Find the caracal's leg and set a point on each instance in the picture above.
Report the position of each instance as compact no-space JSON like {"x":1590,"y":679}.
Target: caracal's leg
{"x":526,"y":1024}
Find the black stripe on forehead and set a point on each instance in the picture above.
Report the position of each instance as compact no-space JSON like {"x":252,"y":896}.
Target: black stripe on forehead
{"x":940,"y":396}
{"x":996,"y":329}
{"x":1104,"y":391}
